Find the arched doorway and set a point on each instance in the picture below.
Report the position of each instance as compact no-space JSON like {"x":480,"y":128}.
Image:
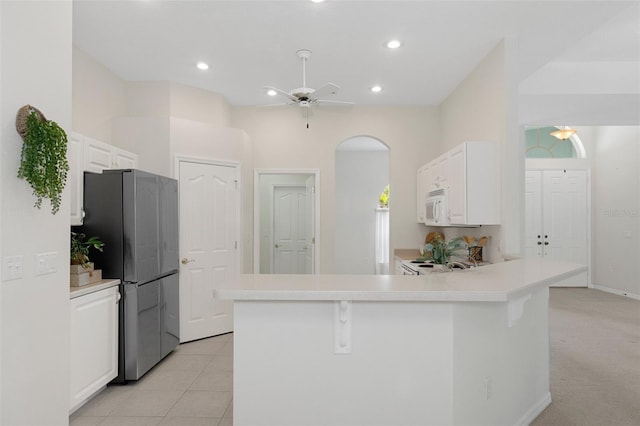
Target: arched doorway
{"x":362,"y":236}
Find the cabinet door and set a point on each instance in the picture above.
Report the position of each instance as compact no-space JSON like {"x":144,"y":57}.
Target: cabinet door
{"x":74,"y":182}
{"x":457,"y":185}
{"x":97,"y":155}
{"x":443,"y":171}
{"x":94,"y":343}
{"x":124,"y":160}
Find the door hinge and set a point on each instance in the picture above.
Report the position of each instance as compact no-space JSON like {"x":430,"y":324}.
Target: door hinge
{"x":236,"y":245}
{"x":313,"y":240}
{"x":313,"y":189}
{"x":236,"y":182}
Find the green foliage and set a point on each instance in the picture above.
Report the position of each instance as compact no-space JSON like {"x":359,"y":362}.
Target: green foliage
{"x":384,"y":197}
{"x":80,"y":248}
{"x":441,"y":250}
{"x":43,"y":162}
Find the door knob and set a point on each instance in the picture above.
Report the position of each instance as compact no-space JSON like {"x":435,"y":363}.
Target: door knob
{"x":277,"y":246}
{"x":184,"y":260}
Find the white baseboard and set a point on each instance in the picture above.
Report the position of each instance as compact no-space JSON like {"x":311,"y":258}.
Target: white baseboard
{"x":535,"y":410}
{"x":618,"y":292}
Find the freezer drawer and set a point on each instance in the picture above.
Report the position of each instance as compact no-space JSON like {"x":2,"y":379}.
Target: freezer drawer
{"x":151,"y":324}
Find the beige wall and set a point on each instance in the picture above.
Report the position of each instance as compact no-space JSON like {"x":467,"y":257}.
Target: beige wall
{"x":280,"y":139}
{"x":35,"y":59}
{"x":98,"y":96}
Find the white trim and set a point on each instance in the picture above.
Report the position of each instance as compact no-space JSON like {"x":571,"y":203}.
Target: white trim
{"x":616,"y":291}
{"x":256,"y":212}
{"x":175,"y":173}
{"x":535,"y":410}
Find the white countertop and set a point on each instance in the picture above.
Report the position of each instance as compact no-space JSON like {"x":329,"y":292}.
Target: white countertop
{"x":92,"y":288}
{"x":492,"y":283}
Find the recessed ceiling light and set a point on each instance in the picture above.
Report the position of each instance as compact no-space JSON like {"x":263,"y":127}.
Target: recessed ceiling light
{"x":202,"y":66}
{"x":376,"y":89}
{"x":271,"y":92}
{"x":394,"y":44}
{"x":317,"y":1}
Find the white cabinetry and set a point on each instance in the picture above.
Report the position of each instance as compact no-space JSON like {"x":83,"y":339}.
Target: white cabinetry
{"x":556,"y":218}
{"x":74,"y":177}
{"x":99,"y":156}
{"x":94,"y":343}
{"x":474,"y":184}
{"x":431,"y":176}
{"x":86,"y":154}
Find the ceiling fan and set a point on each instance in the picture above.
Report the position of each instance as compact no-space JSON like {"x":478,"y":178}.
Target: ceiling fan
{"x":305,"y":96}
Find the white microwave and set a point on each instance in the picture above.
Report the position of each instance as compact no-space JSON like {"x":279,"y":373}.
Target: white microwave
{"x":436,"y":211}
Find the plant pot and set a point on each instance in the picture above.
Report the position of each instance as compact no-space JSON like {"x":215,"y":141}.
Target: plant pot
{"x":79,"y":269}
{"x":440,"y":268}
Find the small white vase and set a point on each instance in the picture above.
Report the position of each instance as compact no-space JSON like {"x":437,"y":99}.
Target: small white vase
{"x":441,"y":268}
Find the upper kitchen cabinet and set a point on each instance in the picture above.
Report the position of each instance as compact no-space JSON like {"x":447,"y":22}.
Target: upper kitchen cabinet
{"x":474,"y":184}
{"x":86,"y":154}
{"x":74,"y":181}
{"x":433,"y":175}
{"x":99,"y":156}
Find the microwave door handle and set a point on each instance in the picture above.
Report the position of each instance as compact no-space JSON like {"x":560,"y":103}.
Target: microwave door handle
{"x":436,"y":212}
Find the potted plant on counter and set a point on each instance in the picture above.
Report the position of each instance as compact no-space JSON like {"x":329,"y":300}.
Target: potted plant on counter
{"x":440,"y":251}
{"x":80,"y":252}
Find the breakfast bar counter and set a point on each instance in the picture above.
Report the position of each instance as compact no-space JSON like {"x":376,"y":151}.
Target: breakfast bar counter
{"x":453,"y":348}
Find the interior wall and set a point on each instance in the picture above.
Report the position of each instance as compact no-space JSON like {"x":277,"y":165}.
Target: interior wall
{"x":484,"y":107}
{"x":98,"y":96}
{"x":361,"y":177}
{"x":616,"y":209}
{"x":36,"y":69}
{"x":280,"y":139}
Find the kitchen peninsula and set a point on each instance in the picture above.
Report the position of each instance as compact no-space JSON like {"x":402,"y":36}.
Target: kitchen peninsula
{"x":467,"y":347}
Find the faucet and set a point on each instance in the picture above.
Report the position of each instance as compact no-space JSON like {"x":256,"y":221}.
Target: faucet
{"x":455,"y":263}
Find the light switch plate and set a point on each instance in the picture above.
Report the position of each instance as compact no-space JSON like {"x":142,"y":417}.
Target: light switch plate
{"x":11,"y":267}
{"x":46,"y":263}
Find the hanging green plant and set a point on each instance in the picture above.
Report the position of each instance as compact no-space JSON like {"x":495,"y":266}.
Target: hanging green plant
{"x":43,"y":162}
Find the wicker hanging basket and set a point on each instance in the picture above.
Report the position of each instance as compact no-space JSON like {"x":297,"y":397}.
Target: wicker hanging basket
{"x":21,"y":118}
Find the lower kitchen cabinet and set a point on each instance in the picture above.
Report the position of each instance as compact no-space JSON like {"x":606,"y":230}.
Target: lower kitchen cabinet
{"x":94,"y":343}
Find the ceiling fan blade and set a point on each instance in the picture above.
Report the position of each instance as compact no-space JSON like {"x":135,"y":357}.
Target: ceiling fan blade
{"x":327,"y":89}
{"x":283,"y":93}
{"x":324,"y":101}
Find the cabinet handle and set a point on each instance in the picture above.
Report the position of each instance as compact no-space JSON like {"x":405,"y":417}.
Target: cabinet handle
{"x":546,"y":243}
{"x":539,"y":243}
{"x":277,"y":246}
{"x":118,"y":297}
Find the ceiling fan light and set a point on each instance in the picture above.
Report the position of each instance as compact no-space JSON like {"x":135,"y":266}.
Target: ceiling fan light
{"x":393,"y":44}
{"x":376,"y":89}
{"x":563,"y":133}
{"x":271,"y":92}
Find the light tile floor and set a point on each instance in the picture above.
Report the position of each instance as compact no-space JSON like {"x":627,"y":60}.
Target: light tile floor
{"x":192,"y":386}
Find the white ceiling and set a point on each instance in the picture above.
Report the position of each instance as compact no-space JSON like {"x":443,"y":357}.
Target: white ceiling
{"x":252,"y":44}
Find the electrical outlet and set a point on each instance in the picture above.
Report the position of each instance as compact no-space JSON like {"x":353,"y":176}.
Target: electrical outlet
{"x":11,"y":267}
{"x":46,"y":263}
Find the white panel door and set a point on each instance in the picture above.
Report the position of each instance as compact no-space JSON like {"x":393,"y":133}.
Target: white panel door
{"x":208,"y":246}
{"x":533,"y":213}
{"x":310,"y":238}
{"x":556,"y":218}
{"x":289,"y":230}
{"x":565,"y":215}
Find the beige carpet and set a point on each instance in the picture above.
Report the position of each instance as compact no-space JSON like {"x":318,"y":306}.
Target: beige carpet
{"x":595,"y":359}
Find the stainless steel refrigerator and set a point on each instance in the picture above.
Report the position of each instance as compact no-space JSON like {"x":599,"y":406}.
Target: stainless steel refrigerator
{"x":136,"y":215}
